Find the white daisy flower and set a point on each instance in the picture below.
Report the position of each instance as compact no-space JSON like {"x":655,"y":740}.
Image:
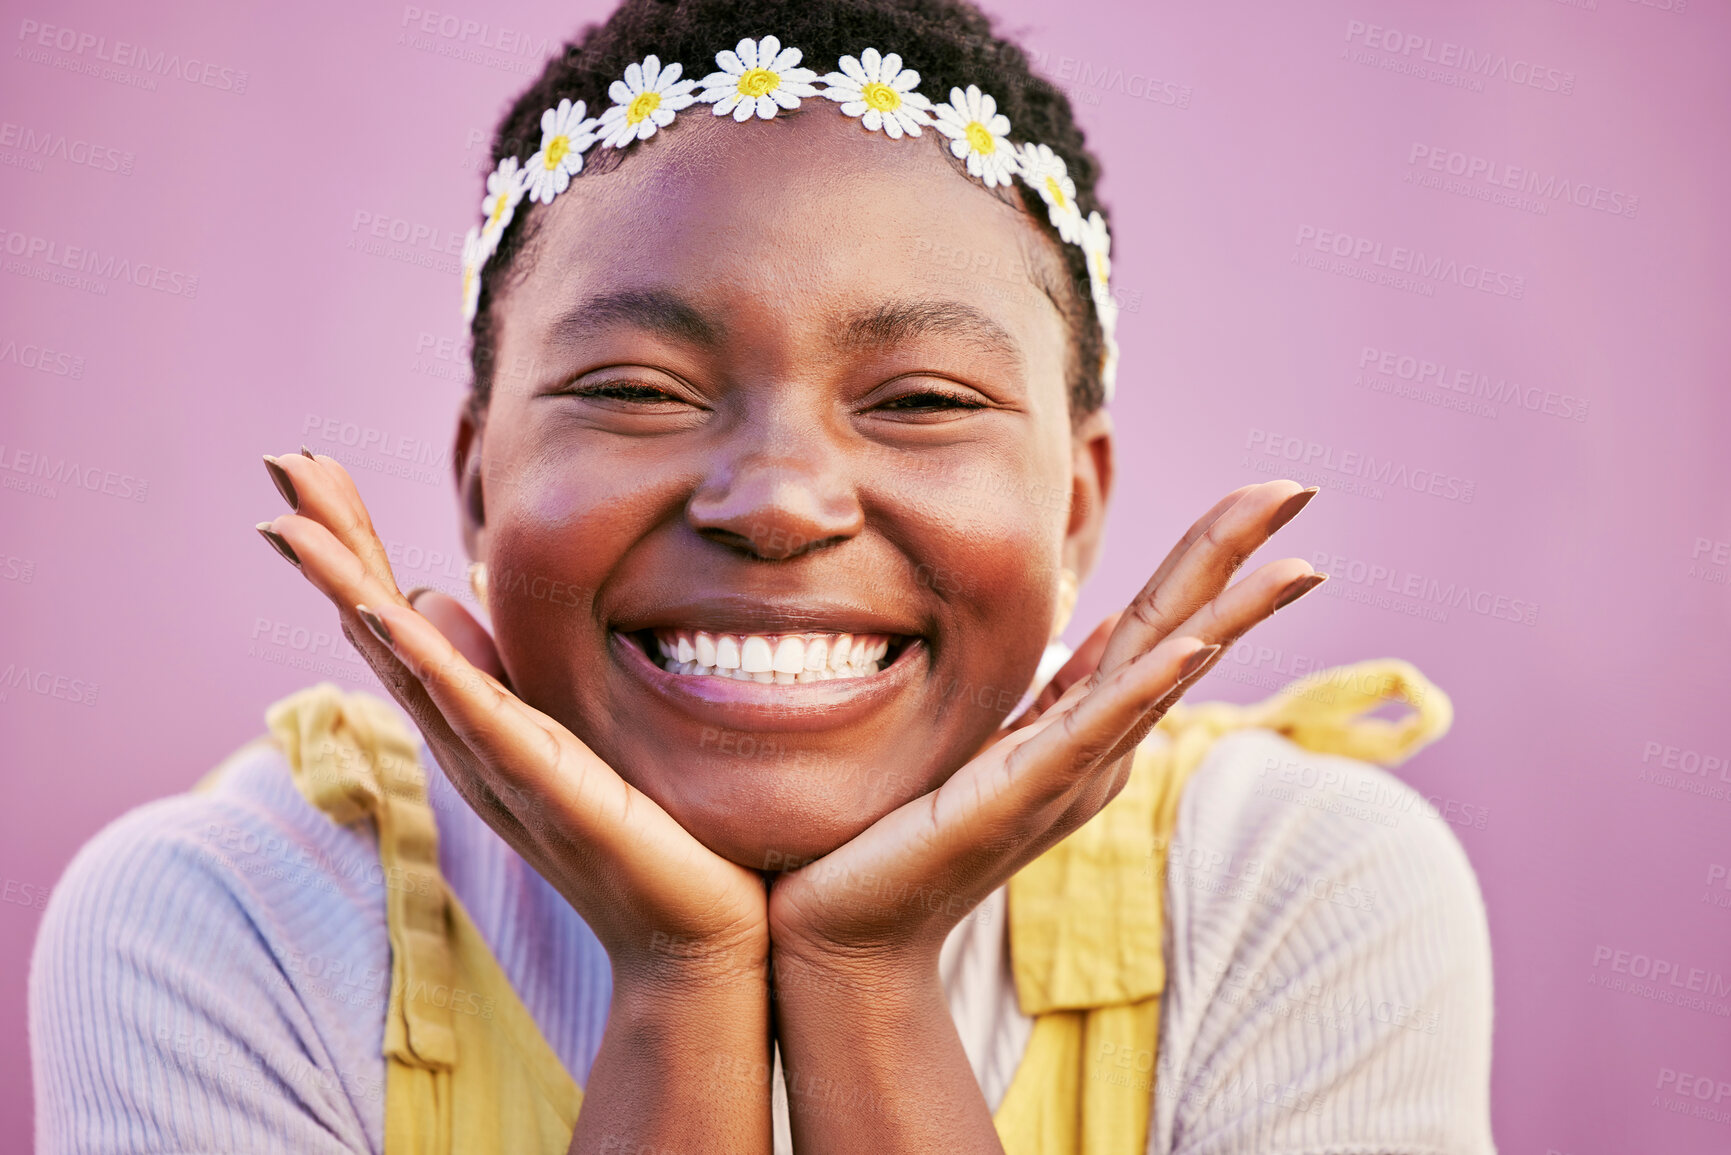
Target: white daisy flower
{"x":1044,"y":171}
{"x":978,"y":131}
{"x":757,"y":76}
{"x":879,"y":91}
{"x":644,"y":101}
{"x":474,"y":256}
{"x":565,"y":135}
{"x":1109,"y":367}
{"x":1096,"y":245}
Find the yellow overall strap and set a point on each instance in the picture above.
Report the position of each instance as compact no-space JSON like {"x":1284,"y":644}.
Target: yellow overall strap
{"x":1087,"y":917}
{"x":467,"y":1069}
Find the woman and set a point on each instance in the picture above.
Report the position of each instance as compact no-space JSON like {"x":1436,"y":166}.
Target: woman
{"x":778,"y":517}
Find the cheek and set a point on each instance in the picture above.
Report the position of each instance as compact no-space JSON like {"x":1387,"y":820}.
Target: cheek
{"x":556,"y":528}
{"x":989,"y":531}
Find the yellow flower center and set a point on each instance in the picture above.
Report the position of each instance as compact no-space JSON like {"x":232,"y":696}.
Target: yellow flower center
{"x":758,"y":81}
{"x":1057,"y":191}
{"x":979,"y":139}
{"x":881,"y":97}
{"x":556,"y":150}
{"x":639,"y":109}
{"x":468,"y":280}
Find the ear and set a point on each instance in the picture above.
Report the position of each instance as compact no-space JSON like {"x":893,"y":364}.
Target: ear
{"x":466,"y":465}
{"x":1092,"y":468}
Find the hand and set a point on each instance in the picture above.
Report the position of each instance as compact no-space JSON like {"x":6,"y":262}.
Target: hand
{"x":667,"y":909}
{"x":1054,"y":769}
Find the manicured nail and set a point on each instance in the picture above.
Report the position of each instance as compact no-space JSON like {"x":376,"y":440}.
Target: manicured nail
{"x":1196,"y":661}
{"x":307,"y":453}
{"x":376,"y":624}
{"x":285,"y":484}
{"x":1290,"y":507}
{"x":280,"y":543}
{"x":416,"y":592}
{"x":1298,"y":589}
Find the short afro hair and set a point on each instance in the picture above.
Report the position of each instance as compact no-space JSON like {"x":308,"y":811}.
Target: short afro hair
{"x":949,"y":42}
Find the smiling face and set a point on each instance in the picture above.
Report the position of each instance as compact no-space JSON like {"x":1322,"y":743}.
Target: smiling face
{"x":773,"y":497}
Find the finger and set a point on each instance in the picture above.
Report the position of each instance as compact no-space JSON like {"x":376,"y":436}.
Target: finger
{"x":321,"y":489}
{"x":1204,"y":568}
{"x":335,"y":572}
{"x":450,"y":618}
{"x":543,"y":764}
{"x":1217,"y":625}
{"x":1196,"y":530}
{"x":1081,"y":664}
{"x":1046,"y":761}
{"x":430,"y":681}
{"x":1248,"y":603}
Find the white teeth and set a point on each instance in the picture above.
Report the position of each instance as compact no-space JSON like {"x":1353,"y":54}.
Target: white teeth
{"x":754,"y":655}
{"x":789,"y":655}
{"x":780,"y":659}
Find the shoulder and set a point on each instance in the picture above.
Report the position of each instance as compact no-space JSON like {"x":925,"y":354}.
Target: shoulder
{"x":248,"y":848}
{"x":200,"y":963}
{"x":1264,"y":801}
{"x":1328,"y":961}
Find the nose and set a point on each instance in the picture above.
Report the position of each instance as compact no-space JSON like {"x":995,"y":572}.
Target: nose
{"x":774,"y":504}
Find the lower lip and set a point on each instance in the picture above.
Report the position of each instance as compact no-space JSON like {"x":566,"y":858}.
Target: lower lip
{"x":769,"y":705}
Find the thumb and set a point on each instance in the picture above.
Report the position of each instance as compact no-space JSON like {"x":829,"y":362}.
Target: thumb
{"x":460,"y":628}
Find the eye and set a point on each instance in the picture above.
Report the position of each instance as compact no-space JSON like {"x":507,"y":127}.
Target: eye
{"x":624,"y":391}
{"x":929,"y":399}
{"x":645,"y":393}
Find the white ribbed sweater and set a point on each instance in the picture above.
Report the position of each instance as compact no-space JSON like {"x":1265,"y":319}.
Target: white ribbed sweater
{"x":212,"y":971}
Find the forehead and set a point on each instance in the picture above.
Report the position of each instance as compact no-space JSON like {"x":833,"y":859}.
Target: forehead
{"x":807,"y":210}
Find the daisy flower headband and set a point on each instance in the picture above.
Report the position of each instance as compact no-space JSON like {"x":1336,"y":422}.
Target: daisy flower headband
{"x":762,"y":78}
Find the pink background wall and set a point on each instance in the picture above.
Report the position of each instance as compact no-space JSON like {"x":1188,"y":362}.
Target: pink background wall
{"x":1268,"y":163}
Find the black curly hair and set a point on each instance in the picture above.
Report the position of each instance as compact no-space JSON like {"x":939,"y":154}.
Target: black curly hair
{"x":949,"y":42}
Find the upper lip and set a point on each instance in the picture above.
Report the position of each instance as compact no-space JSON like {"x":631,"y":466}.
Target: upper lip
{"x":747,"y":614}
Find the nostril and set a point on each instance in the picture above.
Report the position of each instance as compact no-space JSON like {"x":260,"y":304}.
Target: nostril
{"x":727,"y":538}
{"x":770,"y":543}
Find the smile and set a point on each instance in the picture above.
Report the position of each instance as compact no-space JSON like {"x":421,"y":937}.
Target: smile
{"x":781,"y":659}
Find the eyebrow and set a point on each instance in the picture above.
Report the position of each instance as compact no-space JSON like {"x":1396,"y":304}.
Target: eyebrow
{"x":898,"y":322}
{"x":656,"y":310}
{"x":893,"y":323}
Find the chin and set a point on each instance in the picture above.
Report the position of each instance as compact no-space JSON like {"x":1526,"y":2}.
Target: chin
{"x":772,"y":801}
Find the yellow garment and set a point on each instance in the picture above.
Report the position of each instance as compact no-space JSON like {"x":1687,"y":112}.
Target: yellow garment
{"x":1085,"y":928}
{"x":1086,"y":917}
{"x":466,"y":1067}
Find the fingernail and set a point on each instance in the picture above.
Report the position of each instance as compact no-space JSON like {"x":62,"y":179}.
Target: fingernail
{"x":279,"y":543}
{"x":1290,"y":507}
{"x":1196,"y":661}
{"x":376,"y":624}
{"x":285,"y":484}
{"x":416,"y":592}
{"x":1298,"y":589}
{"x":307,"y":453}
